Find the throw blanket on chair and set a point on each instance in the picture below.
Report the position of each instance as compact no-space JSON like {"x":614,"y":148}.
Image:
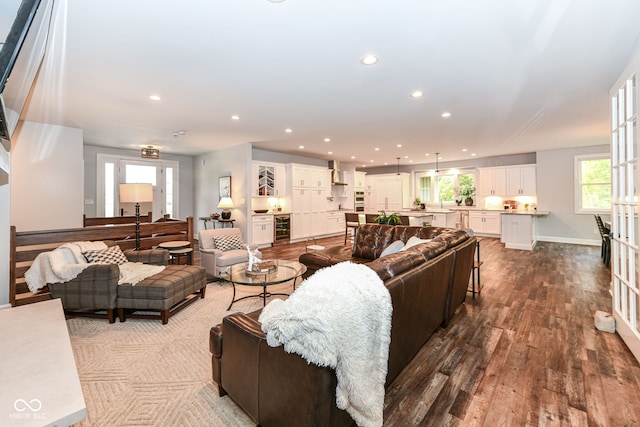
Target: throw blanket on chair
{"x":59,"y":265}
{"x":340,"y":317}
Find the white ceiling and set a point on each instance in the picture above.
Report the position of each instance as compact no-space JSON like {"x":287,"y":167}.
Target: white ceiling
{"x":517,"y":76}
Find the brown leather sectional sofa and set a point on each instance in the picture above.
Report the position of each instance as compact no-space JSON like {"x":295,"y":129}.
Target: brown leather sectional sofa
{"x":427,"y":282}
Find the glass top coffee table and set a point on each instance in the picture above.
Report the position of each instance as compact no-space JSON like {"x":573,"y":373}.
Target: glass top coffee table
{"x":284,"y":271}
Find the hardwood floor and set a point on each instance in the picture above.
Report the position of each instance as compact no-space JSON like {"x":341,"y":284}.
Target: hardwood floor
{"x":524,"y":352}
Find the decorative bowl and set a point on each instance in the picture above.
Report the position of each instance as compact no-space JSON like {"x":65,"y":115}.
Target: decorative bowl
{"x":261,"y":210}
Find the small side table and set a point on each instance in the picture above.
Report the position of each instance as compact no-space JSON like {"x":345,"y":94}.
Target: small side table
{"x":177,"y":249}
{"x":226,"y":221}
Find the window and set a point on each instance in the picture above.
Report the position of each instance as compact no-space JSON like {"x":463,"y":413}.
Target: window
{"x":593,"y":183}
{"x":441,"y":188}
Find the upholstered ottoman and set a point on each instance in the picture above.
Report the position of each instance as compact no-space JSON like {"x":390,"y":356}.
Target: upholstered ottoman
{"x":167,"y":292}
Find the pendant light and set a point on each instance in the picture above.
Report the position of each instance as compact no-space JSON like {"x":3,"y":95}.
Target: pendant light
{"x":437,"y":169}
{"x":398,"y":158}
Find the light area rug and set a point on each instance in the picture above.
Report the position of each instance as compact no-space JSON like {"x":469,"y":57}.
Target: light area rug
{"x":143,"y":373}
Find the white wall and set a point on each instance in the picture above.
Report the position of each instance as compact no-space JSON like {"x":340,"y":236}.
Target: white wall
{"x":556,"y":186}
{"x":234,"y":162}
{"x":5,"y":222}
{"x":46,"y":178}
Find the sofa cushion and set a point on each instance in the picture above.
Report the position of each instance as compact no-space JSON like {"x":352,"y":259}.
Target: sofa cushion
{"x":394,"y":264}
{"x":371,"y":239}
{"x":111,"y":255}
{"x":231,"y":257}
{"x":393,"y":248}
{"x":413,"y":241}
{"x":228,"y":242}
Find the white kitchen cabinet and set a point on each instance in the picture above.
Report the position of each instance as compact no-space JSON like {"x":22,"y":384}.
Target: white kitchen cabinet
{"x":521,"y":181}
{"x":360,"y":180}
{"x":442,"y":219}
{"x":318,"y":204}
{"x":391,"y":192}
{"x":492,"y":182}
{"x":309,"y":176}
{"x":518,"y":231}
{"x":300,"y":213}
{"x":485,"y":222}
{"x":268,"y":179}
{"x":262,"y":229}
{"x":335,"y":222}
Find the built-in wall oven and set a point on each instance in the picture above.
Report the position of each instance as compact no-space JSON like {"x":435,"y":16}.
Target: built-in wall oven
{"x":281,"y":229}
{"x":358,"y":201}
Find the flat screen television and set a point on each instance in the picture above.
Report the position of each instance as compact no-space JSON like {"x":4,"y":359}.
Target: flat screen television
{"x":20,"y":60}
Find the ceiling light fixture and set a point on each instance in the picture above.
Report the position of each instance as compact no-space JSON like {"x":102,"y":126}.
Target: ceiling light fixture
{"x":399,"y":145}
{"x":150,"y":152}
{"x":353,"y":157}
{"x":155,"y":97}
{"x":179,"y":133}
{"x":398,"y":159}
{"x":235,"y":117}
{"x":301,"y":147}
{"x":446,"y":115}
{"x":416,"y":94}
{"x":330,"y":152}
{"x":288,"y":130}
{"x":376,"y":149}
{"x":327,"y":140}
{"x":464,"y":150}
{"x":437,"y":157}
{"x":369,"y":60}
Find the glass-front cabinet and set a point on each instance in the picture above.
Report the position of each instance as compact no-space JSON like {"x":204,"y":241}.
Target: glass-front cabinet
{"x":268,"y":179}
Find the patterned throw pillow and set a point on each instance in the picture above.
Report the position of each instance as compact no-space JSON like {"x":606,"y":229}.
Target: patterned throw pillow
{"x":111,"y":255}
{"x":228,"y":242}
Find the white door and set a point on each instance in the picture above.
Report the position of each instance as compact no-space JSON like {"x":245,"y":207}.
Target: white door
{"x":132,"y":172}
{"x":625,"y":256}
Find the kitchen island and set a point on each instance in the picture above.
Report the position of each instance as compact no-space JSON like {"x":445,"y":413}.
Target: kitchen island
{"x":519,"y":228}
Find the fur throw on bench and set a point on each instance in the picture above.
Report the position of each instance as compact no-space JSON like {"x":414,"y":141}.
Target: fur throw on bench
{"x":340,"y":317}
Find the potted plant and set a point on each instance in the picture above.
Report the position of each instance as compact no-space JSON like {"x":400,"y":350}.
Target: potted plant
{"x":468,"y":193}
{"x":416,"y":203}
{"x":383,"y":218}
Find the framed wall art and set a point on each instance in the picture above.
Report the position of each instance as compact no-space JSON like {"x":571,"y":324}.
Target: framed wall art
{"x":224,"y":183}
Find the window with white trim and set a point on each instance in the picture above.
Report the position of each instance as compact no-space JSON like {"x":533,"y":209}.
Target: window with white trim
{"x":592,"y":183}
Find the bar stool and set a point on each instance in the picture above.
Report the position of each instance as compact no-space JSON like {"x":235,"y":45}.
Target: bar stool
{"x":352,"y":220}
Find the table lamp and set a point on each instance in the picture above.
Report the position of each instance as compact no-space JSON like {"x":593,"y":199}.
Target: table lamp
{"x":226,"y":203}
{"x":136,"y":193}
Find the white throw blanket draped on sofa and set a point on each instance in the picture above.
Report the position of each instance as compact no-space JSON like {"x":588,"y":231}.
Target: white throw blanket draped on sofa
{"x":67,"y":261}
{"x":340,"y":317}
{"x":59,"y":265}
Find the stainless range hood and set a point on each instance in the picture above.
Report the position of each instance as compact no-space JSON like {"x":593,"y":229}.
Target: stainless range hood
{"x":334,"y":165}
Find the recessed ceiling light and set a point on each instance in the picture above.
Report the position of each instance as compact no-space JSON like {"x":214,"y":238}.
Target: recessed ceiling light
{"x":406,"y":157}
{"x":464,"y":150}
{"x":426,"y":154}
{"x":473,"y":154}
{"x":327,"y":140}
{"x":446,"y":114}
{"x":416,"y":94}
{"x":287,"y":130}
{"x":370,"y":161}
{"x":364,"y":166}
{"x":376,"y":149}
{"x":410,"y":161}
{"x":353,"y":157}
{"x":399,"y":145}
{"x":235,"y":117}
{"x":330,"y":152}
{"x":301,"y":147}
{"x":155,"y":97}
{"x":386,"y":163}
{"x":369,"y":59}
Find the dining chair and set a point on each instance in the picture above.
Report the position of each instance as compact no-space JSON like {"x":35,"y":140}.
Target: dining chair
{"x":352,"y":221}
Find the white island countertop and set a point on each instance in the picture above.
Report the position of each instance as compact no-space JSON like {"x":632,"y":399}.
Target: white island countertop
{"x":40,"y":384}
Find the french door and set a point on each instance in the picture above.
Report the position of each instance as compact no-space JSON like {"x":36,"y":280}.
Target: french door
{"x":625,"y":259}
{"x":123,"y":170}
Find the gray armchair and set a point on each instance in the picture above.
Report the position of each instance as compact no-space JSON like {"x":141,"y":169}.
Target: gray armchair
{"x":213,"y":258}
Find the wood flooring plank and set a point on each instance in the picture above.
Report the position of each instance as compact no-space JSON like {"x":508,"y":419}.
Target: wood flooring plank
{"x":523,"y":352}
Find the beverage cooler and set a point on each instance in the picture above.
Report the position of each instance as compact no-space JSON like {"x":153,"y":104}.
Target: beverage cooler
{"x":281,"y":229}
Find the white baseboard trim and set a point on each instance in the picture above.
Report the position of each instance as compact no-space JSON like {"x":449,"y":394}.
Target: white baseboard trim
{"x":569,"y":240}
{"x":4,"y":306}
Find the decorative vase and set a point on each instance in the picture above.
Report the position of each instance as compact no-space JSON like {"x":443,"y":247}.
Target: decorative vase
{"x":468,"y":201}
